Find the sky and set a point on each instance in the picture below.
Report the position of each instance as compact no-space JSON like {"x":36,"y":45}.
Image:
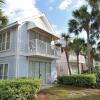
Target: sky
{"x":58,"y":12}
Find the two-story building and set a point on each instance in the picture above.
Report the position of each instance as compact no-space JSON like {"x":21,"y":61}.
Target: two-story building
{"x":26,"y":50}
{"x":62,"y":65}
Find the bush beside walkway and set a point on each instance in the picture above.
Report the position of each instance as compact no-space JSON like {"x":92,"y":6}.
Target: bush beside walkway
{"x":82,"y":80}
{"x":19,"y":89}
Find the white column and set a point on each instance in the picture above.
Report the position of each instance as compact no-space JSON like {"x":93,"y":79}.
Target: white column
{"x":36,"y":46}
{"x":46,"y":49}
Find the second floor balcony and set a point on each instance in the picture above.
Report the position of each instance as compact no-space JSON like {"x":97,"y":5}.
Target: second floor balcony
{"x":41,"y":48}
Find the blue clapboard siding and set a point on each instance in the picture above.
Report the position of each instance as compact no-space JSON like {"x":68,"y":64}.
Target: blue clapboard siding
{"x":8,"y":56}
{"x":23,"y":36}
{"x":22,"y":68}
{"x":11,"y":65}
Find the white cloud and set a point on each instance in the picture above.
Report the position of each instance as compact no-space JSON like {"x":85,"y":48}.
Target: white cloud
{"x":79,"y":3}
{"x":51,"y":1}
{"x":58,"y":30}
{"x":18,"y":9}
{"x":64,"y":4}
{"x":51,"y":8}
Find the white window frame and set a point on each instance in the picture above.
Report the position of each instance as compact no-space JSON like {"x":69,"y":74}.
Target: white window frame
{"x":6,"y":33}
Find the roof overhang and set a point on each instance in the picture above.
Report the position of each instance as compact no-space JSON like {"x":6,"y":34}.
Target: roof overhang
{"x":33,"y":26}
{"x":9,"y":26}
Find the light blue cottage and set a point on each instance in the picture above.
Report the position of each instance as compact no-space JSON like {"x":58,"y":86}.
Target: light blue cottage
{"x":26,"y":50}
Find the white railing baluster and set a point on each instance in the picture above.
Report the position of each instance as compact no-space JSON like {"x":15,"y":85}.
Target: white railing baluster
{"x":41,"y":47}
{"x":36,"y":46}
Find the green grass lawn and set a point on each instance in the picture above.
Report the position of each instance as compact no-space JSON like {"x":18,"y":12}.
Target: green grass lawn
{"x":71,"y":93}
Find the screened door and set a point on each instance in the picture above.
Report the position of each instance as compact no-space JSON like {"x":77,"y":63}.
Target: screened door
{"x":48,"y":73}
{"x":3,"y":71}
{"x":31,"y":69}
{"x":37,"y":72}
{"x":40,"y":70}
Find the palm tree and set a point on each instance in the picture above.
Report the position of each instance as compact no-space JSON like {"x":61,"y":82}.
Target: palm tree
{"x":84,"y":51}
{"x":83,"y":20}
{"x":92,"y":57}
{"x":1,"y":2}
{"x":98,"y":46}
{"x":66,"y":49}
{"x":97,"y":57}
{"x":77,"y":46}
{"x":3,"y":18}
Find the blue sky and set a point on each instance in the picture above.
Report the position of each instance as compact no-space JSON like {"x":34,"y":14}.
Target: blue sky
{"x":58,"y":12}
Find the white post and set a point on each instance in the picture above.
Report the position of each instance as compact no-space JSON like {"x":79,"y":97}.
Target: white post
{"x":36,"y":46}
{"x":46,"y":48}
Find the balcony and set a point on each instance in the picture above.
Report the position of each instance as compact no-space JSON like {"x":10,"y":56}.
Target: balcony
{"x":44,"y":49}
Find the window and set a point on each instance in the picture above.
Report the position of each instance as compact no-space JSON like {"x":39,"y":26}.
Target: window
{"x":3,"y":71}
{"x":4,"y":41}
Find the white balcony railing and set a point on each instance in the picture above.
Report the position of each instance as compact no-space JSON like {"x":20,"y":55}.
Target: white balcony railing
{"x":40,"y":47}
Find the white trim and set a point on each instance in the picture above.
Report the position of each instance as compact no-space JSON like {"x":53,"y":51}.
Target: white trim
{"x":28,"y":40}
{"x":50,"y":26}
{"x":7,"y":54}
{"x":6,"y":42}
{"x":6,"y":35}
{"x":8,"y":70}
{"x":5,"y":50}
{"x":17,"y":50}
{"x":28,"y":68}
{"x":9,"y":26}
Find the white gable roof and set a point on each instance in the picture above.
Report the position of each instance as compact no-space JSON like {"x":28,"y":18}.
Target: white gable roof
{"x":39,"y":21}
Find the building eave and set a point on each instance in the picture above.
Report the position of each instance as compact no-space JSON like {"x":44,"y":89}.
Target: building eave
{"x":9,"y":26}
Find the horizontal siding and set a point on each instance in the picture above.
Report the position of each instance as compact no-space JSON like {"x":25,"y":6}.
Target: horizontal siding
{"x":11,"y":65}
{"x":23,"y":36}
{"x":14,"y":32}
{"x":22,"y":68}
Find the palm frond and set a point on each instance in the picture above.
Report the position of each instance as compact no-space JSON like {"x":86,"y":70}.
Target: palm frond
{"x":98,"y":46}
{"x":65,"y":36}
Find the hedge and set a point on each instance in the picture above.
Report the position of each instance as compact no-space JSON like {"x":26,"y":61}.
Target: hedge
{"x":19,"y":89}
{"x":77,"y":80}
{"x":96,"y":85}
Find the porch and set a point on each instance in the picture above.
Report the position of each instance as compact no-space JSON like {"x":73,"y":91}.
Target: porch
{"x":41,"y":48}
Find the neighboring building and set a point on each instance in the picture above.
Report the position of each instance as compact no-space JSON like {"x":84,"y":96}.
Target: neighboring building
{"x":73,"y":63}
{"x":96,"y":64}
{"x":62,"y":67}
{"x":26,"y":51}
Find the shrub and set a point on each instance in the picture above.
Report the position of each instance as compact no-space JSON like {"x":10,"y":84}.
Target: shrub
{"x":19,"y":89}
{"x":96,"y":85}
{"x":77,"y":80}
{"x":98,"y":77}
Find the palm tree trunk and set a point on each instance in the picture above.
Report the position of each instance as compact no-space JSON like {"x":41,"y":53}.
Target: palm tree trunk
{"x":91,"y":64}
{"x":78,"y":63}
{"x":88,"y":47}
{"x":67,"y":57}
